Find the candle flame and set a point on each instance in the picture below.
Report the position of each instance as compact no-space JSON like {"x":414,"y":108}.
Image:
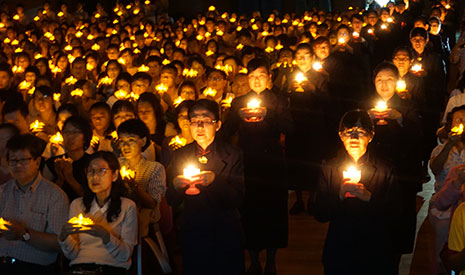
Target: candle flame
{"x":209,"y":92}
{"x":24,"y":85}
{"x":36,"y":126}
{"x":300,"y":77}
{"x":114,"y":135}
{"x":353,"y":174}
{"x":417,"y":68}
{"x":254,"y":103}
{"x":3,"y":224}
{"x":178,"y":101}
{"x":177,"y":142}
{"x":401,"y":86}
{"x":56,"y":138}
{"x":94,"y":141}
{"x":457,"y":130}
{"x":190,"y":73}
{"x":56,"y":96}
{"x":105,"y":81}
{"x":381,"y":106}
{"x":143,"y":68}
{"x":317,"y":66}
{"x":161,"y":88}
{"x":126,"y":173}
{"x":190,"y":172}
{"x":77,"y":92}
{"x":121,"y":94}
{"x":80,"y":220}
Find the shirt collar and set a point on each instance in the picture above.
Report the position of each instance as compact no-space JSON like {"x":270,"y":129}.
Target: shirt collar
{"x":31,"y":186}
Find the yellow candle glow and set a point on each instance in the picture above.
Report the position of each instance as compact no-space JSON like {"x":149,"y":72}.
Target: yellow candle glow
{"x":341,"y":40}
{"x":105,"y":81}
{"x":417,"y":68}
{"x":161,"y":88}
{"x":300,"y":77}
{"x":81,"y":221}
{"x":71,"y":80}
{"x":211,"y":8}
{"x":3,"y":224}
{"x":133,"y":96}
{"x":17,"y":69}
{"x":126,"y":173}
{"x":77,"y":92}
{"x":353,"y":174}
{"x":16,"y":17}
{"x":177,"y":142}
{"x":209,"y":53}
{"x":190,"y":73}
{"x":457,"y":130}
{"x":24,"y":85}
{"x":381,"y":106}
{"x":95,"y":47}
{"x":37,"y":126}
{"x":317,"y":66}
{"x":178,"y":101}
{"x":165,"y":62}
{"x":239,"y":47}
{"x":254,"y":103}
{"x":401,"y":86}
{"x":190,"y":172}
{"x":56,"y":138}
{"x":56,"y":97}
{"x":143,"y":68}
{"x":355,"y":35}
{"x":209,"y":92}
{"x":383,"y":26}
{"x":121,"y":94}
{"x":114,"y":135}
{"x":370,"y":31}
{"x":226,"y":103}
{"x":94,"y":141}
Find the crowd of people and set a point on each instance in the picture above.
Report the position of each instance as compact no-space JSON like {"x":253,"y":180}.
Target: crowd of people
{"x":130,"y":139}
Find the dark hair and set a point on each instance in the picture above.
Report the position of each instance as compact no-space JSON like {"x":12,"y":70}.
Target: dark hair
{"x":104,"y":106}
{"x":205,"y":104}
{"x":32,"y":69}
{"x":191,"y":84}
{"x":83,"y":125}
{"x":222,"y":73}
{"x":157,"y":109}
{"x":11,"y":127}
{"x":117,"y":187}
{"x":320,"y":40}
{"x":124,"y":76}
{"x":5,"y":67}
{"x":45,"y":90}
{"x":186,"y":104}
{"x":356,"y":118}
{"x":68,"y":107}
{"x":142,"y":76}
{"x":170,"y":67}
{"x":29,"y":142}
{"x":385,"y":65}
{"x":257,"y":63}
{"x":121,"y":105}
{"x":14,"y":104}
{"x":137,"y":127}
{"x":405,"y":49}
{"x":304,"y":46}
{"x":419,"y":32}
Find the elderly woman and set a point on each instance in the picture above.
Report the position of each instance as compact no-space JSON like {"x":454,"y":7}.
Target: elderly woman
{"x":106,"y":245}
{"x":360,"y":208}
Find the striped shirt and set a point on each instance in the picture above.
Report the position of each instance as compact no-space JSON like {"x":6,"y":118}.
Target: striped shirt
{"x":150,"y":176}
{"x":43,"y":207}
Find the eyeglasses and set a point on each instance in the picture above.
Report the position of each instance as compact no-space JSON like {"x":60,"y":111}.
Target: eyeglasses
{"x":98,"y":172}
{"x":128,"y":142}
{"x":204,"y":121}
{"x":355,"y":133}
{"x":23,"y":162}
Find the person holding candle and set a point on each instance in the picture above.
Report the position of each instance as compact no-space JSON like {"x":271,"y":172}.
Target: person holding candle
{"x":107,"y":244}
{"x":149,"y":184}
{"x":34,"y":208}
{"x":265,"y":209}
{"x":397,"y":141}
{"x":361,"y":215}
{"x":67,"y":170}
{"x":444,"y":158}
{"x":210,"y":228}
{"x":304,"y":149}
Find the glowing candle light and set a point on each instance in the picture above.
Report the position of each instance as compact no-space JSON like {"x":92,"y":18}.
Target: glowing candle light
{"x":254,"y":103}
{"x":127,"y":174}
{"x":36,"y":126}
{"x":457,"y":130}
{"x":190,"y":172}
{"x":401,"y":85}
{"x":16,"y":17}
{"x":97,"y":15}
{"x":219,"y":32}
{"x":3,"y":224}
{"x":165,"y":61}
{"x":211,"y":8}
{"x":209,"y":53}
{"x":243,"y":71}
{"x":384,"y":27}
{"x":60,"y":14}
{"x":105,"y":81}
{"x":317,"y":66}
{"x":77,"y":92}
{"x":341,"y":40}
{"x":381,"y":106}
{"x":226,"y":103}
{"x":81,"y":221}
{"x":278,"y":47}
{"x":240,"y":47}
{"x":370,"y":31}
{"x":161,"y":88}
{"x":56,"y":97}
{"x":390,"y":20}
{"x":416,"y":68}
{"x":36,"y":18}
{"x":147,"y":2}
{"x":17,"y":69}
{"x":71,"y":80}
{"x":79,"y":34}
{"x":114,"y":135}
{"x":95,"y":47}
{"x":178,"y":101}
{"x":94,"y":141}
{"x":121,"y":61}
{"x":56,"y":139}
{"x":356,"y":35}
{"x":269,"y":49}
{"x":133,"y":96}
{"x":190,"y":73}
{"x":353,"y":174}
{"x":209,"y":92}
{"x":143,"y":68}
{"x":300,"y":77}
{"x":24,"y":85}
{"x":177,"y":142}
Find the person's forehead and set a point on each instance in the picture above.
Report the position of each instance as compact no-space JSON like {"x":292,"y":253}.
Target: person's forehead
{"x":302,"y":52}
{"x":201,"y":113}
{"x":20,"y":153}
{"x":259,"y":70}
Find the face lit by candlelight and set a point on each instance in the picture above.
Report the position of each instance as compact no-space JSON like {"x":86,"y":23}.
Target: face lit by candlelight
{"x":322,"y":50}
{"x":304,"y":59}
{"x":458,"y":118}
{"x":385,"y":83}
{"x":100,"y":177}
{"x":418,"y":43}
{"x":130,"y":145}
{"x":402,"y":61}
{"x":203,"y":127}
{"x":259,"y":79}
{"x":355,"y":141}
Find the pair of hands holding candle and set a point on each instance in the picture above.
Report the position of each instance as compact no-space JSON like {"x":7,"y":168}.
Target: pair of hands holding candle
{"x":12,"y":230}
{"x":357,"y":190}
{"x":204,"y":179}
{"x":92,"y":229}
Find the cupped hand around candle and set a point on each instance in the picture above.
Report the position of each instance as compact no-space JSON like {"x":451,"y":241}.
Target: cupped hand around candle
{"x":205,"y":178}
{"x":180,"y":182}
{"x":376,"y":114}
{"x":356,"y":189}
{"x":15,"y":231}
{"x":394,"y":114}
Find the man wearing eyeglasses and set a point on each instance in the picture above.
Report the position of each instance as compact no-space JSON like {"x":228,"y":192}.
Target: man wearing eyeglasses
{"x":361,"y":208}
{"x":35,"y":210}
{"x":210,"y":230}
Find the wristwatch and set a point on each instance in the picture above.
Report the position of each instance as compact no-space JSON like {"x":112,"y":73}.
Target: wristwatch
{"x":26,"y":236}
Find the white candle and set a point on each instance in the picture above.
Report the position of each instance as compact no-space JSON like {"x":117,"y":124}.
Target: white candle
{"x":353,"y":174}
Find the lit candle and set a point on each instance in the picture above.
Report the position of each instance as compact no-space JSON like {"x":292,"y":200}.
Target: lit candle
{"x":417,"y":68}
{"x":370,"y":31}
{"x":71,"y":80}
{"x":121,"y":94}
{"x":178,"y":101}
{"x":177,"y":142}
{"x":383,"y":26}
{"x":105,"y":81}
{"x":56,"y":139}
{"x":121,"y":61}
{"x":254,"y":104}
{"x":56,"y":96}
{"x":94,"y":141}
{"x":24,"y":85}
{"x":127,"y":174}
{"x":457,"y":130}
{"x":95,"y":47}
{"x":226,"y":103}
{"x":401,"y":85}
{"x":165,"y":62}
{"x":211,"y":8}
{"x":77,"y":92}
{"x":189,"y":173}
{"x":269,"y":49}
{"x":161,"y":88}
{"x":3,"y":224}
{"x":209,"y":92}
{"x":143,"y":68}
{"x":240,"y":47}
{"x":114,"y":135}
{"x":353,"y":174}
{"x":36,"y":126}
{"x":317,"y":66}
{"x":209,"y":53}
{"x":243,"y":71}
{"x":81,"y":221}
{"x":190,"y":73}
{"x":355,"y":35}
{"x":341,"y":40}
{"x":300,"y":77}
{"x":381,"y":106}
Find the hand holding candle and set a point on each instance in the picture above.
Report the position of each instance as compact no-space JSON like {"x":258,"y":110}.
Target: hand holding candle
{"x":351,"y":188}
{"x":190,"y":172}
{"x":3,"y":224}
{"x":80,"y":222}
{"x":299,"y":78}
{"x":380,"y":111}
{"x":254,"y":112}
